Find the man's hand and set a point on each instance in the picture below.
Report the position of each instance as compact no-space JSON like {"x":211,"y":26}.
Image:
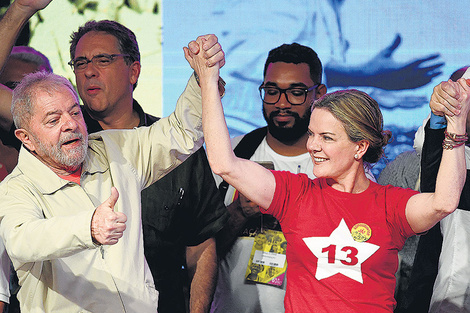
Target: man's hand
{"x":465,"y":100}
{"x":107,"y":226}
{"x":447,"y":97}
{"x":464,"y":105}
{"x":31,"y":6}
{"x":213,"y":52}
{"x":199,"y":63}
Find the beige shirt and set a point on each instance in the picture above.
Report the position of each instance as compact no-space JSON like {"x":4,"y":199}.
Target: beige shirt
{"x":45,"y":220}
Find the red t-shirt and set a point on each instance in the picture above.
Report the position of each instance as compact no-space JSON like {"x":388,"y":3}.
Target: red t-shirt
{"x":3,"y":171}
{"x":328,"y":270}
{"x":74,"y":177}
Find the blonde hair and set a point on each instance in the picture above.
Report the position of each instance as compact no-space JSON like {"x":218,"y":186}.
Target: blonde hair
{"x":361,"y":119}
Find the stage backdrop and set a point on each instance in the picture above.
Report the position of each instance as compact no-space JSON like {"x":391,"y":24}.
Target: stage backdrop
{"x":394,"y":50}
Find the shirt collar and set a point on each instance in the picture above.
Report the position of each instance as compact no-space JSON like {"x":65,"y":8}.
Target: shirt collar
{"x":144,"y":119}
{"x":49,"y":182}
{"x":42,"y":177}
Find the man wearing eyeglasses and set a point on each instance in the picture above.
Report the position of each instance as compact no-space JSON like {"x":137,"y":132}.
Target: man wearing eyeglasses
{"x":181,"y":212}
{"x":292,"y":82}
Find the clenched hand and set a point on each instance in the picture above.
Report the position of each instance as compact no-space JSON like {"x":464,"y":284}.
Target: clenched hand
{"x":107,"y":226}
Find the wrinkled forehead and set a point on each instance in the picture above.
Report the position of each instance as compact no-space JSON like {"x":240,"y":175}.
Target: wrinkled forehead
{"x":97,"y":42}
{"x":53,"y":98}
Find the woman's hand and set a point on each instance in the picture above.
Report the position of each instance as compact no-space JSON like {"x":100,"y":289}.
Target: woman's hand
{"x":207,"y":71}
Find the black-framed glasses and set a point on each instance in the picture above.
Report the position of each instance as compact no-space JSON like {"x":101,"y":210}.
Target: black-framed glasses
{"x":295,"y":95}
{"x":100,"y":60}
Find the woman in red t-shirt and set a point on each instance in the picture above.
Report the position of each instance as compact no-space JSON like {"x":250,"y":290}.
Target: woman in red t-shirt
{"x":343,"y":231}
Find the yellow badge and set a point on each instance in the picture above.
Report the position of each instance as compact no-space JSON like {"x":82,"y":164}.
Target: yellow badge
{"x":361,"y":232}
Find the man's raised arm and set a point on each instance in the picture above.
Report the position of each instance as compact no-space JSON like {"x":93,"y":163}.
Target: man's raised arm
{"x":11,"y":25}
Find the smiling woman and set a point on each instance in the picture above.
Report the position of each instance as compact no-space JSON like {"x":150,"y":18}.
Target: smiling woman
{"x":361,"y":118}
{"x":343,"y":231}
{"x":346,"y":130}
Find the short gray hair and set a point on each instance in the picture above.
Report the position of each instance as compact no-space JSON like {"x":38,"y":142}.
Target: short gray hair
{"x":24,"y":95}
{"x":30,"y":55}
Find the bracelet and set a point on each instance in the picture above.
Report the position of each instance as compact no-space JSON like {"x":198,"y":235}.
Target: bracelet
{"x":452,"y":140}
{"x":455,"y":137}
{"x":449,"y":145}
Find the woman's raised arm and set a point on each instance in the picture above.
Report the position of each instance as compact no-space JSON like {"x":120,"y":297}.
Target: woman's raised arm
{"x":251,"y":179}
{"x":426,"y":209}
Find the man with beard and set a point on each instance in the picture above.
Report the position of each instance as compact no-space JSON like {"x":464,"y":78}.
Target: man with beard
{"x":292,"y":82}
{"x":182,"y":212}
{"x":75,"y":242}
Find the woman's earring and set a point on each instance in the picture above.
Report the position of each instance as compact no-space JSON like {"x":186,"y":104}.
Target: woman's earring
{"x":356,"y":156}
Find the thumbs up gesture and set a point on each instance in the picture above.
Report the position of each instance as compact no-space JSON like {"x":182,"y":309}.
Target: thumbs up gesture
{"x":107,"y":226}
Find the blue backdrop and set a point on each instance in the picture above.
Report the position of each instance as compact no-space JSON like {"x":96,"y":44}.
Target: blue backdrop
{"x":396,"y":51}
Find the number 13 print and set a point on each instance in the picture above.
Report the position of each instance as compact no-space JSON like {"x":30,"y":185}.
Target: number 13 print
{"x":351,"y":254}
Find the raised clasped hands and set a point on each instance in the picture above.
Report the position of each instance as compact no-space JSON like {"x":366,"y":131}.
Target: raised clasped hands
{"x":205,"y":56}
{"x":450,"y":98}
{"x":211,"y":48}
{"x":107,"y":226}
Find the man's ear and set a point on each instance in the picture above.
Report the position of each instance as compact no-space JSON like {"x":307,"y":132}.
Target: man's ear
{"x":134,"y":72}
{"x":320,"y":91}
{"x":24,"y":136}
